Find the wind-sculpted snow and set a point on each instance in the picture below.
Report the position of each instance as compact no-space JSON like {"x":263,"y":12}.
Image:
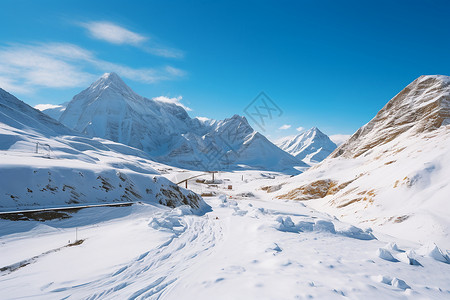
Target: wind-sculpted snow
{"x":110,"y":109}
{"x":311,"y":146}
{"x":393,"y":173}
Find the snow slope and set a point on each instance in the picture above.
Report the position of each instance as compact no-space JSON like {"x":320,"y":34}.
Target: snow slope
{"x":45,"y":164}
{"x":393,"y":173}
{"x":311,"y":146}
{"x":110,"y":109}
{"x":248,"y":247}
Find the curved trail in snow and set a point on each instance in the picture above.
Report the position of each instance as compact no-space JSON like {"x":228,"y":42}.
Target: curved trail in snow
{"x":151,"y":274}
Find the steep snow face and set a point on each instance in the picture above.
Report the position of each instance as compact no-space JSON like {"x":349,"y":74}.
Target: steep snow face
{"x":110,"y":109}
{"x":311,"y":146}
{"x":45,"y":164}
{"x":394,"y":172}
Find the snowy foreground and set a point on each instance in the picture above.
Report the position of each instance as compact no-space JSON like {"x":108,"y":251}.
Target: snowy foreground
{"x":249,"y":246}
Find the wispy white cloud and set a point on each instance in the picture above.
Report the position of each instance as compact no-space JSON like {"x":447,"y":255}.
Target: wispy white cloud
{"x":339,"y":139}
{"x":113,"y":33}
{"x":42,"y":107}
{"x":119,"y":35}
{"x":203,"y":119}
{"x":24,"y":68}
{"x":300,"y":128}
{"x":174,"y":100}
{"x":285,"y":126}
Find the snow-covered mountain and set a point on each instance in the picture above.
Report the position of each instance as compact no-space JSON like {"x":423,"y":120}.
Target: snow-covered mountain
{"x":110,"y":109}
{"x":393,"y":173}
{"x":17,"y":114}
{"x":311,"y":146}
{"x":45,"y":164}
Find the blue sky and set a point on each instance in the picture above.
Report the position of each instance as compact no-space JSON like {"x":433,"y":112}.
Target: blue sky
{"x":330,"y":64}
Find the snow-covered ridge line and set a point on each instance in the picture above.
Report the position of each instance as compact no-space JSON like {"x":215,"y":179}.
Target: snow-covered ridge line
{"x":109,"y":109}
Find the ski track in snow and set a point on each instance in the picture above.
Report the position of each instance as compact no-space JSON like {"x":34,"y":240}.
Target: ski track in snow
{"x":141,"y":278}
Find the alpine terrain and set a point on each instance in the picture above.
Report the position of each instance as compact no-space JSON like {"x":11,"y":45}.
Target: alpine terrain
{"x":111,"y":110}
{"x":368,"y":222}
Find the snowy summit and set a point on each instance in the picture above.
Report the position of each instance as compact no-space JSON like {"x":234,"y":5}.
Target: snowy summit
{"x":111,"y":110}
{"x":311,"y":146}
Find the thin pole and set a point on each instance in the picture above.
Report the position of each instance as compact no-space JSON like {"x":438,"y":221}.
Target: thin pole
{"x":186,"y":183}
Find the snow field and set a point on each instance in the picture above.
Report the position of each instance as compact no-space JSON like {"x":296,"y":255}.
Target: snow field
{"x":247,"y":247}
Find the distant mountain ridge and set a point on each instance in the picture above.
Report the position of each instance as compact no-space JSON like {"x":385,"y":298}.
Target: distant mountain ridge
{"x":110,"y":109}
{"x":311,"y":146}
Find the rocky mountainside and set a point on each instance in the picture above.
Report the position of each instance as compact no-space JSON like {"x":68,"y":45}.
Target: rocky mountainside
{"x":111,"y":110}
{"x":393,"y":173}
{"x":421,"y":107}
{"x":311,"y":146}
{"x":45,"y":164}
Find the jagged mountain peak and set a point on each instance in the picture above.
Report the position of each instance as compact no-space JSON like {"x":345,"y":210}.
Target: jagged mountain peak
{"x":110,"y":78}
{"x":110,"y":109}
{"x":311,"y":146}
{"x":110,"y":84}
{"x":422,"y":106}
